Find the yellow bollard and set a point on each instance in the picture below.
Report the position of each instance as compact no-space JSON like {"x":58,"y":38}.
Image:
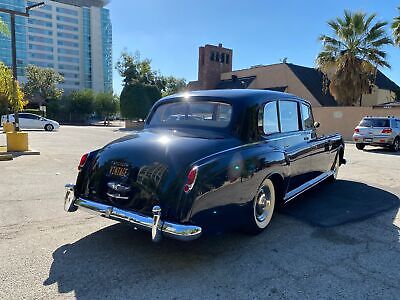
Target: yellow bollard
{"x":8,"y":127}
{"x":17,"y":141}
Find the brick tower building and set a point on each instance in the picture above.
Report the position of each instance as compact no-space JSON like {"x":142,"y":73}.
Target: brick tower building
{"x":213,"y":61}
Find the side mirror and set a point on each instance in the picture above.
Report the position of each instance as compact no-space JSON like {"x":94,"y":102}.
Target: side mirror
{"x":42,"y":119}
{"x":316,"y":124}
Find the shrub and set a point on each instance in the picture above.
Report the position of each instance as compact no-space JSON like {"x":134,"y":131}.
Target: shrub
{"x":137,"y":99}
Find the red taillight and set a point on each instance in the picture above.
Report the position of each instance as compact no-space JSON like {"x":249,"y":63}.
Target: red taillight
{"x":356,"y":130}
{"x":83,"y":161}
{"x":191,"y":179}
{"x":387,"y":130}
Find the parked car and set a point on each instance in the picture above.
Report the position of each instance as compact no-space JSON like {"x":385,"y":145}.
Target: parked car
{"x":32,"y":121}
{"x":207,"y":161}
{"x":378,"y":131}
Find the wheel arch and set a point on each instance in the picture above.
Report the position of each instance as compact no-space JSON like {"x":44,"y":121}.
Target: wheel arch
{"x":279,"y":185}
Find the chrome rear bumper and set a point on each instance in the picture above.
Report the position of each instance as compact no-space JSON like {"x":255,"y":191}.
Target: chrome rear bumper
{"x":154,"y":224}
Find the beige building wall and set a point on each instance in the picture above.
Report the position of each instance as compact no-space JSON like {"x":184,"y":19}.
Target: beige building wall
{"x":378,"y":96}
{"x":344,"y":119}
{"x":277,"y":75}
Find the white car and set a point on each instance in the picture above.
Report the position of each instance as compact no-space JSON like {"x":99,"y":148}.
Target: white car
{"x":32,"y":121}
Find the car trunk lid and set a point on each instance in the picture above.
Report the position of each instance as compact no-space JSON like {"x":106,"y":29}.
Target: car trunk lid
{"x":148,"y":168}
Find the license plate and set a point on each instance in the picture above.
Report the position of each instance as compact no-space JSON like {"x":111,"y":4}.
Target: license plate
{"x":367,"y":140}
{"x":119,"y":170}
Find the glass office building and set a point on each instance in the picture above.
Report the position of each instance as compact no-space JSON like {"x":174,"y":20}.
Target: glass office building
{"x":71,"y":36}
{"x":20,"y":36}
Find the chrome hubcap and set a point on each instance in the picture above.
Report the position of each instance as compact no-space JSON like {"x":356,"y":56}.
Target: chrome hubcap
{"x":263,"y":205}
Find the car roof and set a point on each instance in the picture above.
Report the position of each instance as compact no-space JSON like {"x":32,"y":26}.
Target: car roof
{"x":252,"y":96}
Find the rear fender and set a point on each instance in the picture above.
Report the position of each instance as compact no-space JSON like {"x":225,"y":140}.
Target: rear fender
{"x":226,"y":183}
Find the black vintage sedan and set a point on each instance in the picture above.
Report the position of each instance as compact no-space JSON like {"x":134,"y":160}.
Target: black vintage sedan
{"x":207,"y":161}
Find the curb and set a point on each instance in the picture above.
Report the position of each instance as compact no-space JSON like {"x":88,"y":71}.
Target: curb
{"x":6,"y":157}
{"x":21,"y":153}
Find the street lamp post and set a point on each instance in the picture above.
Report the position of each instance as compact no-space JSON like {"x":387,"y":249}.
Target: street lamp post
{"x":12,"y":14}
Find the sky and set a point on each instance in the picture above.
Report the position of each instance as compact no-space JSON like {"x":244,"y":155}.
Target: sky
{"x":169,"y":32}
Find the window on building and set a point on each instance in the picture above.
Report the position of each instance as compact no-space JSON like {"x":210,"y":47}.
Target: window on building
{"x":223,"y":57}
{"x":67,"y":11}
{"x":68,"y":67}
{"x":227,"y":58}
{"x":41,"y":56}
{"x":212,"y":56}
{"x":39,"y":22}
{"x":67,"y":44}
{"x":40,"y":48}
{"x":40,"y":31}
{"x":288,"y":116}
{"x":40,"y":14}
{"x":217,"y":56}
{"x":68,"y":59}
{"x":67,"y":27}
{"x":67,"y":19}
{"x":307,"y":118}
{"x":40,"y":39}
{"x":67,"y":35}
{"x":68,"y":51}
{"x":268,"y":118}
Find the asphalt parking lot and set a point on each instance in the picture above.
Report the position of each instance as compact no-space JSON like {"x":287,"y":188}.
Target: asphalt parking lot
{"x":46,"y":253}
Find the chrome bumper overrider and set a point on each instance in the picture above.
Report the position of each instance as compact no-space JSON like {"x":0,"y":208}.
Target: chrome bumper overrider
{"x":154,"y":224}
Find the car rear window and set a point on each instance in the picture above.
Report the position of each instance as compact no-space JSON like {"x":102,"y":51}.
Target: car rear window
{"x":375,"y":123}
{"x":207,"y":114}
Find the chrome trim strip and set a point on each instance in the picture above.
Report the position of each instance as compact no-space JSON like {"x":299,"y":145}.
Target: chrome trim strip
{"x":117,"y":196}
{"x":304,"y":187}
{"x":154,"y":224}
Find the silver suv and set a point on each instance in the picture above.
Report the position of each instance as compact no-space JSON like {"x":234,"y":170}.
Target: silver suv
{"x":378,"y":131}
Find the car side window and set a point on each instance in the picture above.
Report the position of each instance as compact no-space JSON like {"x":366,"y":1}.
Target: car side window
{"x":270,"y":118}
{"x":306,"y":116}
{"x":28,"y":116}
{"x":288,"y":116}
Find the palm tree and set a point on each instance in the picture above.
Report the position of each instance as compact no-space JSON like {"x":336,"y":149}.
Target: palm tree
{"x":3,"y":28}
{"x":396,"y":29}
{"x":351,"y":56}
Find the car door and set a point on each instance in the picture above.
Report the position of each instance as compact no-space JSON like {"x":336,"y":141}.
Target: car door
{"x":321,"y":152}
{"x":24,"y":121}
{"x":36,"y":121}
{"x":293,"y":142}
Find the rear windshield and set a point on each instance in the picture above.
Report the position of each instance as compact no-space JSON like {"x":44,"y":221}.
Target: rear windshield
{"x":202,"y":114}
{"x":375,"y":123}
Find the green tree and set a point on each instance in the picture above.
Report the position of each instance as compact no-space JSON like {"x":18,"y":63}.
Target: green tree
{"x":41,"y":84}
{"x":80,"y":105}
{"x":136,"y":70}
{"x":137,"y":99}
{"x":105,"y":105}
{"x":396,"y":29}
{"x":139,"y":77}
{"x":11,"y":96}
{"x":351,"y":56}
{"x":172,"y":85}
{"x":4,"y":28}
